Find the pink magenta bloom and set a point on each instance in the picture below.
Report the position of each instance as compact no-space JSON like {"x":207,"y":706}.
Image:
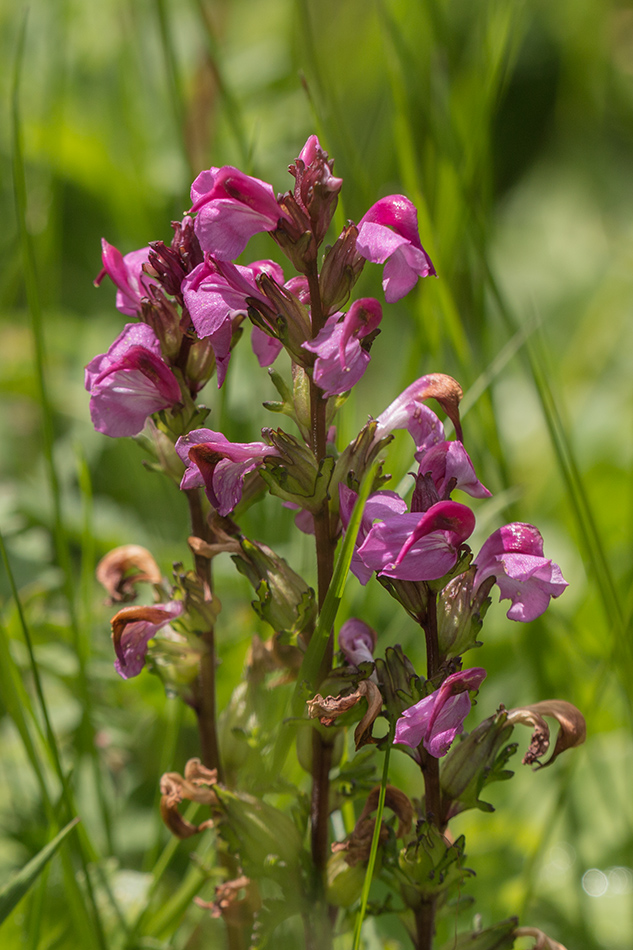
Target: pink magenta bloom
{"x":383,"y":505}
{"x":514,"y":556}
{"x":131,"y":649}
{"x":414,"y":547}
{"x":130,"y":382}
{"x":357,"y":641}
{"x":219,"y":466}
{"x":341,"y":358}
{"x":450,"y":467}
{"x":126,"y":273}
{"x":438,"y":718}
{"x":408,"y":411}
{"x":389,"y":232}
{"x":214,"y":292}
{"x":231,"y":207}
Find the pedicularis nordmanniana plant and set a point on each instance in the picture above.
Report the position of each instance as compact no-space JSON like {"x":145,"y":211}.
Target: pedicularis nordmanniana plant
{"x":188,"y":303}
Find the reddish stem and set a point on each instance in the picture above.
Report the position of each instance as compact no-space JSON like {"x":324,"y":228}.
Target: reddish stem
{"x":204,"y":688}
{"x":321,"y":750}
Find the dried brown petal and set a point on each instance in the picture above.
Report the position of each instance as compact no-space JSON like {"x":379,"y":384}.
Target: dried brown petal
{"x":202,"y":548}
{"x":226,"y":897}
{"x":196,"y":786}
{"x":327,"y":709}
{"x":543,"y":942}
{"x":397,"y":801}
{"x":357,"y":845}
{"x":448,"y":393}
{"x":124,"y":567}
{"x":572,"y":728}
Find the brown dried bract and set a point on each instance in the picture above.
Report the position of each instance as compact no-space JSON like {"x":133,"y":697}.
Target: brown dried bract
{"x":448,"y":393}
{"x":327,"y":709}
{"x":196,"y":786}
{"x":572,"y":731}
{"x":543,"y":942}
{"x":226,"y":897}
{"x":124,"y":567}
{"x":358,"y":844}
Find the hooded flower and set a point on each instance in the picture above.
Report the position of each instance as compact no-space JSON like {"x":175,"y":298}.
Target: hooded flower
{"x":341,"y":357}
{"x":514,"y":556}
{"x":133,"y":628}
{"x":449,"y":467}
{"x":389,"y":232}
{"x":219,"y":466}
{"x":215,"y":292}
{"x":231,"y":207}
{"x":126,"y":273}
{"x":438,"y":718}
{"x":382,"y":505}
{"x":410,"y":546}
{"x":409,"y":412}
{"x":357,"y":641}
{"x":130,"y":382}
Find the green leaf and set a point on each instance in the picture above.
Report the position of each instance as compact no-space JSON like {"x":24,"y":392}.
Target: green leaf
{"x":18,"y":885}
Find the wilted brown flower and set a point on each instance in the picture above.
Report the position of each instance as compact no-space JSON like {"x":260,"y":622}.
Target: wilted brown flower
{"x":123,"y":568}
{"x":196,"y":786}
{"x":327,"y":709}
{"x":357,"y":845}
{"x":572,"y":731}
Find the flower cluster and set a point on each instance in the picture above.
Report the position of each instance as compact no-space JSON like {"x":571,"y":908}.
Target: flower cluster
{"x":190,"y":300}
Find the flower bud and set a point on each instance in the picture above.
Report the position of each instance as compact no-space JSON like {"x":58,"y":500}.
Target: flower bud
{"x":357,"y":641}
{"x":400,"y":685}
{"x":292,"y":473}
{"x":476,"y":761}
{"x":433,"y":864}
{"x":316,"y":188}
{"x":284,"y":599}
{"x":460,"y":612}
{"x":341,"y":269}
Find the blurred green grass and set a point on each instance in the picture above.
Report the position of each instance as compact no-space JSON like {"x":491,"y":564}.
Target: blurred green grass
{"x":511,"y":127}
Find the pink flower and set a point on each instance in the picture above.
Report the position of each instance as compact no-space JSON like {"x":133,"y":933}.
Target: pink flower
{"x":231,"y":207}
{"x":514,"y":556}
{"x":219,"y":466}
{"x":214,"y":292}
{"x":130,"y":382}
{"x":133,"y":628}
{"x":383,"y":505}
{"x":414,"y":547}
{"x":126,"y":273}
{"x":408,"y":411}
{"x":389,"y":232}
{"x":450,"y":467}
{"x":341,"y":357}
{"x":357,"y":640}
{"x":438,"y":718}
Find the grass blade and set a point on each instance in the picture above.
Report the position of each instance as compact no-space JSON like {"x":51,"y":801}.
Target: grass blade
{"x":15,"y":889}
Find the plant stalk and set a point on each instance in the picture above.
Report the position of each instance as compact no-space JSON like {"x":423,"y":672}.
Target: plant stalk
{"x":204,"y":689}
{"x":321,"y":749}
